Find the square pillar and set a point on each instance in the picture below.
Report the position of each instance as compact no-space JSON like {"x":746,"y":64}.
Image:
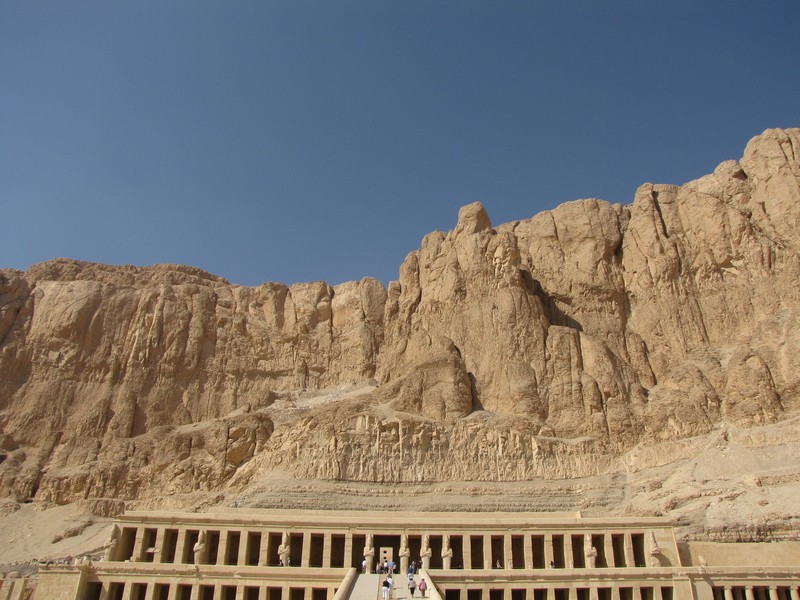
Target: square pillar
{"x":507,"y":554}
{"x":222,"y":551}
{"x":573,"y":593}
{"x":466,"y":549}
{"x":263,"y":555}
{"x":326,"y":552}
{"x":569,"y":560}
{"x":629,"y":560}
{"x":127,"y":593}
{"x":593,"y":594}
{"x":487,"y":552}
{"x":527,"y":552}
{"x":150,"y":593}
{"x":239,"y":592}
{"x":305,"y":556}
{"x":308,"y":591}
{"x":179,"y":543}
{"x":244,"y":539}
{"x":348,"y":552}
{"x":773,"y":593}
{"x":793,"y":593}
{"x":609,"y":550}
{"x":548,"y":551}
{"x":615,"y":593}
{"x":138,"y":550}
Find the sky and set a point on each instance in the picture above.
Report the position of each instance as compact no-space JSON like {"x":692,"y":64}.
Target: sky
{"x":303,"y":140}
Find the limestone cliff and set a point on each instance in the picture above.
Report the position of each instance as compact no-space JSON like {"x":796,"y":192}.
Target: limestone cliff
{"x":549,"y":348}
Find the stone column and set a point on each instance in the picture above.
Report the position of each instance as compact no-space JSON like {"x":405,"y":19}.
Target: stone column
{"x":158,"y":555}
{"x":466,"y":548}
{"x":487,"y":552}
{"x":348,"y":554}
{"x":608,"y":546}
{"x":308,"y":592}
{"x":127,"y":592}
{"x":305,"y":555}
{"x":195,"y":595}
{"x":172,"y":592}
{"x":629,"y":561}
{"x":749,"y":593}
{"x":773,"y":593}
{"x":150,"y":593}
{"x":508,"y":552}
{"x":548,"y":550}
{"x":615,"y":593}
{"x":180,"y":542}
{"x":239,"y":592}
{"x":728,"y":593}
{"x":793,"y":592}
{"x":263,"y":559}
{"x":573,"y":592}
{"x":222,"y":550}
{"x":327,"y":544}
{"x":138,"y":550}
{"x":593,"y":593}
{"x":569,"y":559}
{"x":244,"y":541}
{"x":506,"y":593}
{"x":527,"y":552}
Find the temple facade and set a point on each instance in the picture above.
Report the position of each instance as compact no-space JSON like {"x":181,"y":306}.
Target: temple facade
{"x":333,"y":555}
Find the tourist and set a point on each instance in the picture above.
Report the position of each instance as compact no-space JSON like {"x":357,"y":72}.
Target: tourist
{"x":386,"y":588}
{"x":412,"y":585}
{"x":412,"y":568}
{"x":364,"y":566}
{"x":422,"y":587}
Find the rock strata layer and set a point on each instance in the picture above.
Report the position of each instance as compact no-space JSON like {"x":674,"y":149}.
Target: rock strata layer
{"x":550,"y":348}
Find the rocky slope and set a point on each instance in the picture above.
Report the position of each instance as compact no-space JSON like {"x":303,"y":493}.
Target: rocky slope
{"x":590,"y":341}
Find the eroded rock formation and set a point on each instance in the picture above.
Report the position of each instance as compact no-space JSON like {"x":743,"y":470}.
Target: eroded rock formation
{"x":546,"y":348}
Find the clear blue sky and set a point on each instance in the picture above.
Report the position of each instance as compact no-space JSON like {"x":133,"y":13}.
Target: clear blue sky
{"x":299,"y":140}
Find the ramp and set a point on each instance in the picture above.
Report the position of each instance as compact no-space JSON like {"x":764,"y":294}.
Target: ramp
{"x":365,"y":587}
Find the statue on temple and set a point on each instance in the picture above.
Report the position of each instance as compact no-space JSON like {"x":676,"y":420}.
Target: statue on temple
{"x":404,"y":554}
{"x":112,"y":543}
{"x":591,"y":557}
{"x":447,"y":552}
{"x":703,"y":563}
{"x":655,"y":551}
{"x":284,"y":550}
{"x":369,"y":550}
{"x":199,"y":548}
{"x":425,"y":553}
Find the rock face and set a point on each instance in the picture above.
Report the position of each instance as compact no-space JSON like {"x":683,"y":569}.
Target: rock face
{"x":548,"y":348}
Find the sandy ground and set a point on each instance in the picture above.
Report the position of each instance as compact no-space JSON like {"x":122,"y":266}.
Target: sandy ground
{"x":28,"y":532}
